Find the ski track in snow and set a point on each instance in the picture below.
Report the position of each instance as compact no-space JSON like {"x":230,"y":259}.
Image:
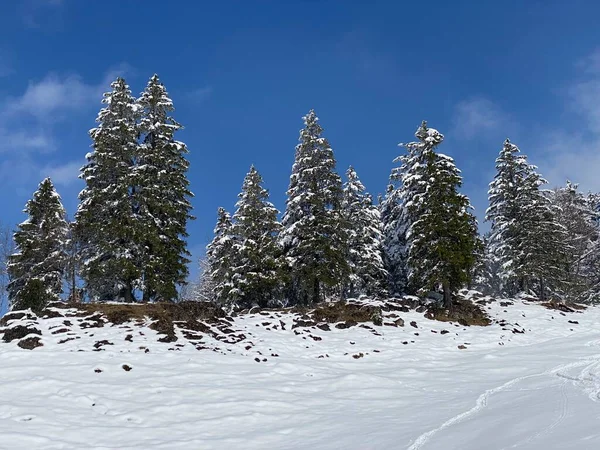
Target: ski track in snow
{"x":586,"y":380}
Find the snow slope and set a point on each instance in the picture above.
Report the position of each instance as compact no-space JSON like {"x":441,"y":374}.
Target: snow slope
{"x":311,"y":388}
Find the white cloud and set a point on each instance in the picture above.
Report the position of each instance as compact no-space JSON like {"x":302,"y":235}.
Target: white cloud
{"x":53,"y":96}
{"x":590,"y":64}
{"x":476,"y":116}
{"x":585,"y":98}
{"x":62,"y":175}
{"x":574,"y":153}
{"x":29,"y":125}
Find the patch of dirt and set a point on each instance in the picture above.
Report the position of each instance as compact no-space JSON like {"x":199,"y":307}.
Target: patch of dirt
{"x":464,"y":312}
{"x":98,"y":345}
{"x":563,"y":307}
{"x":126,"y":368}
{"x":348,"y":312}
{"x":30,"y":343}
{"x":163,"y":314}
{"x":60,"y":331}
{"x":19,"y":332}
{"x":15,"y":316}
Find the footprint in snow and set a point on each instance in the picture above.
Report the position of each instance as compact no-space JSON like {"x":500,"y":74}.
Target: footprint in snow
{"x":24,"y":418}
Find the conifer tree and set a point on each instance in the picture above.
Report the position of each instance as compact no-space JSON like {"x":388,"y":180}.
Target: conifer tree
{"x":367,"y":273}
{"x":442,"y":235}
{"x":544,"y":240}
{"x":256,"y":274}
{"x":314,"y":235}
{"x":525,"y":234}
{"x":220,"y":258}
{"x":106,"y":220}
{"x":161,"y":195}
{"x":394,"y":223}
{"x":36,"y":269}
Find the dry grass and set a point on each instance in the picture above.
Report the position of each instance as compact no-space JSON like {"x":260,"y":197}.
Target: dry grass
{"x":163,"y":315}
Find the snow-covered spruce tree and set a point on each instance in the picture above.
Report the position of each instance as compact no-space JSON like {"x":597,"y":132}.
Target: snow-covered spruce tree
{"x":592,"y":257}
{"x":256,"y":273}
{"x":393,"y":219}
{"x":545,"y":240}
{"x":442,"y":235}
{"x":36,"y":269}
{"x":220,"y":258}
{"x":107,"y":225}
{"x":73,"y":264}
{"x":486,"y":274}
{"x":365,"y":258}
{"x":161,"y":195}
{"x":313,"y":237}
{"x":525,"y":235}
{"x":577,"y":215}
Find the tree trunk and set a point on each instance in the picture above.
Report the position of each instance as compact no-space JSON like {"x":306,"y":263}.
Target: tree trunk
{"x":128,"y":294}
{"x":316,"y":291}
{"x":447,"y":297}
{"x":542,"y":290}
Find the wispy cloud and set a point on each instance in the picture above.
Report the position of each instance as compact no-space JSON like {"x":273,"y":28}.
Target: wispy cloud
{"x":590,"y":64}
{"x":574,"y":153}
{"x":62,"y":175}
{"x":53,"y":96}
{"x":30,"y":124}
{"x":477,"y":116}
{"x":200,"y":94}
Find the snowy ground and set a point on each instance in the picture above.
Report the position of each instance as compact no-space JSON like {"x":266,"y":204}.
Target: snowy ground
{"x":534,"y":390}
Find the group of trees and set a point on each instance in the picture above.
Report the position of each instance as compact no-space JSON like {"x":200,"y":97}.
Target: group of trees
{"x":541,"y":241}
{"x":421,"y":237}
{"x":127,"y":240}
{"x":333,"y":241}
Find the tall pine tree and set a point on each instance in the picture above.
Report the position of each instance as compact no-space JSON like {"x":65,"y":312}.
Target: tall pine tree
{"x":220,"y":258}
{"x":36,"y":269}
{"x":256,"y":273}
{"x":161,"y":195}
{"x":106,"y":220}
{"x":525,"y":234}
{"x":314,"y":235}
{"x":365,"y":257}
{"x":442,"y":234}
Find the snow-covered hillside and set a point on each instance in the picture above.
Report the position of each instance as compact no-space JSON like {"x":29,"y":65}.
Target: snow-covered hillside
{"x":277,"y":380}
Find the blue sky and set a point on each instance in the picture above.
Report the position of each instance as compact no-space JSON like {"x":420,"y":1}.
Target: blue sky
{"x":242,"y":74}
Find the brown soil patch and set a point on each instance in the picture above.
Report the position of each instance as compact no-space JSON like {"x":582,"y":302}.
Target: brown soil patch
{"x":30,"y":343}
{"x":464,"y":312}
{"x":19,"y":332}
{"x":563,"y":307}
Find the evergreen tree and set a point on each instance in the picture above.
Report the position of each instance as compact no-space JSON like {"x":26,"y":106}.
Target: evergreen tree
{"x":73,"y":264}
{"x":525,"y":234}
{"x":106,"y":220}
{"x":576,"y":214}
{"x":393,"y":218}
{"x":314,"y":235}
{"x":442,"y":235}
{"x":220,"y":258}
{"x":39,"y":263}
{"x":256,"y":274}
{"x":367,"y":272}
{"x":161,"y":195}
{"x":486,"y":276}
